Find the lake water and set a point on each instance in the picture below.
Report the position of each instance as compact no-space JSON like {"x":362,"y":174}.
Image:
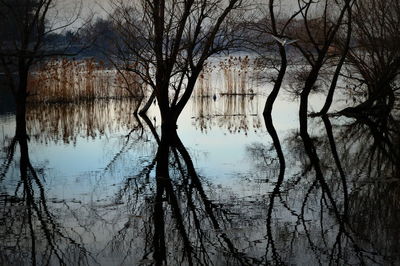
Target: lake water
{"x":95,"y":194}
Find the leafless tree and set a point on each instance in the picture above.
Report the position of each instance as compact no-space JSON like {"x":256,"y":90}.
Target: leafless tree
{"x":374,"y":58}
{"x":317,"y":31}
{"x":264,"y":30}
{"x":321,"y":32}
{"x":24,"y":25}
{"x":167,"y":42}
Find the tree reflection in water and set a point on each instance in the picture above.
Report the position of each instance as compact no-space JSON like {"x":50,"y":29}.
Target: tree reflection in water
{"x":29,"y":229}
{"x":330,"y":197}
{"x":182,"y":225}
{"x":342,"y":200}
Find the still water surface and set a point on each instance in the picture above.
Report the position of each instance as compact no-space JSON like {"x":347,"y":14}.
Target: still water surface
{"x":93,"y":196}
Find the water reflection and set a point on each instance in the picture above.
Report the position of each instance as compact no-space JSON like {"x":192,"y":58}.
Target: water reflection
{"x":225,"y":96}
{"x":29,"y":228}
{"x":331,"y":203}
{"x":373,"y":144}
{"x":327,"y":195}
{"x":183,"y":225}
{"x":65,"y":122}
{"x":233,"y":113}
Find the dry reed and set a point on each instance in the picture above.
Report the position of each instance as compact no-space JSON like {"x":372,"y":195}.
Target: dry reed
{"x":63,"y":80}
{"x":229,"y":76}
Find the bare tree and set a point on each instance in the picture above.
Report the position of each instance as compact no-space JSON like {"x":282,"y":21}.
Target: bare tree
{"x":320,"y":30}
{"x":374,"y":58}
{"x":342,"y":44}
{"x":321,"y":21}
{"x":24,"y":27}
{"x":273,"y":27}
{"x":167,"y":42}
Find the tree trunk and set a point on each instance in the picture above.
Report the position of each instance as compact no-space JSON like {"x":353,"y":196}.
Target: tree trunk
{"x":20,"y":102}
{"x":136,"y":111}
{"x":329,"y":97}
{"x":148,"y":104}
{"x":278,"y":83}
{"x":312,"y":78}
{"x":378,"y":104}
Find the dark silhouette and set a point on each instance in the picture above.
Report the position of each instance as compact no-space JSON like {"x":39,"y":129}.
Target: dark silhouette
{"x":175,"y":40}
{"x":374,"y":61}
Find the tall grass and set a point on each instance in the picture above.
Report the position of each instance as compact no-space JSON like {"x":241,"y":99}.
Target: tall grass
{"x":224,"y":95}
{"x":63,"y":80}
{"x":229,"y":76}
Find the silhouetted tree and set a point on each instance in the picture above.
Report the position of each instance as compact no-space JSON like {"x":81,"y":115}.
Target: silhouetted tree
{"x":375,"y":56}
{"x":23,"y":33}
{"x":278,"y":29}
{"x":167,"y":42}
{"x":315,"y":41}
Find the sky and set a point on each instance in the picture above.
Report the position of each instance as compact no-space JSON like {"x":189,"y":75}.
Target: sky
{"x":99,"y":7}
{"x":65,"y":12}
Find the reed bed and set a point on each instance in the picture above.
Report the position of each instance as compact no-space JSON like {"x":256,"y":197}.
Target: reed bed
{"x":204,"y":84}
{"x":229,"y":76}
{"x":63,"y":80}
{"x":224,"y":95}
{"x":235,"y":71}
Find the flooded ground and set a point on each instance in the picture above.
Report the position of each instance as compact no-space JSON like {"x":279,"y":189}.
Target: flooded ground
{"x":92,"y":197}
